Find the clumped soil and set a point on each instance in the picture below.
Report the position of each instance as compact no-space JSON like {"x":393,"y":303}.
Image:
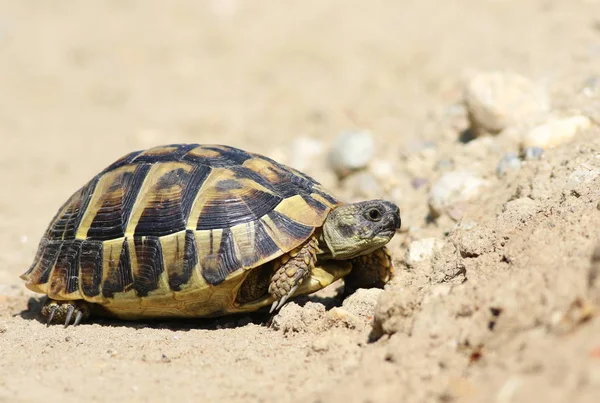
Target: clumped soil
{"x":504,"y":305}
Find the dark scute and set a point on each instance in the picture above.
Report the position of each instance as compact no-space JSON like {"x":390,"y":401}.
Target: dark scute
{"x":49,"y":256}
{"x":66,"y":269}
{"x":180,"y":274}
{"x":291,"y":228}
{"x":160,"y":219}
{"x":215,"y":268}
{"x":90,"y":263}
{"x":120,"y":277}
{"x":176,"y":155}
{"x":242,"y":172}
{"x":228,"y":157}
{"x":65,"y":226}
{"x":288,"y":184}
{"x":163,"y":217}
{"x":195,"y":181}
{"x":182,"y":150}
{"x":228,"y":184}
{"x":225,"y":211}
{"x":111,"y":220}
{"x":325,"y":195}
{"x":125,"y":160}
{"x":171,"y":178}
{"x":149,"y":264}
{"x":315,"y":204}
{"x":36,"y":259}
{"x":263,"y":243}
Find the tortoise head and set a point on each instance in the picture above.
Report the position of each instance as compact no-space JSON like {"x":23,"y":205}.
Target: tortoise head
{"x":356,"y":229}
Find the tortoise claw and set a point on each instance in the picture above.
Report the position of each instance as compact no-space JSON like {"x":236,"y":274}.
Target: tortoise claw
{"x":279,"y":303}
{"x":53,"y":310}
{"x":78,"y":317}
{"x":70,"y":310}
{"x":63,"y":311}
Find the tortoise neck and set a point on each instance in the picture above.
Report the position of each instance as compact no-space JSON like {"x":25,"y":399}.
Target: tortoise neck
{"x":323,"y":253}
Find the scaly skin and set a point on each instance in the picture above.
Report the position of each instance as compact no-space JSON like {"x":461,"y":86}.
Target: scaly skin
{"x":373,"y":270}
{"x":65,"y":311}
{"x":291,"y":270}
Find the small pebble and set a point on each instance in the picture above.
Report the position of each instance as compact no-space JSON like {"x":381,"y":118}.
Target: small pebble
{"x":510,"y":162}
{"x":341,"y":317}
{"x":382,"y":169}
{"x":555,"y":132}
{"x":445,"y":164}
{"x":496,"y":100}
{"x":418,"y":183}
{"x":533,"y":153}
{"x":453,"y":187}
{"x":591,"y":87}
{"x":422,"y":250}
{"x":351,"y":151}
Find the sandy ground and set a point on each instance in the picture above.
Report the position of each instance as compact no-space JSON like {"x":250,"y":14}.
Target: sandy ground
{"x":503,"y":312}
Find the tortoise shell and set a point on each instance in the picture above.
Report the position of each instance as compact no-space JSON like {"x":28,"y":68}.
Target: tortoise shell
{"x":172,"y":219}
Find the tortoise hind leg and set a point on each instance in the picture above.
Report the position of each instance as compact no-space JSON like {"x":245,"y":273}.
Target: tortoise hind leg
{"x":291,"y":270}
{"x":65,"y":311}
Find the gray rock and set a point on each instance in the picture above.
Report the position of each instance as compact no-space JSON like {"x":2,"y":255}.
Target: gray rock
{"x":351,"y":151}
{"x":497,"y":100}
{"x":418,"y":183}
{"x":510,"y":162}
{"x":591,"y":87}
{"x":533,"y":153}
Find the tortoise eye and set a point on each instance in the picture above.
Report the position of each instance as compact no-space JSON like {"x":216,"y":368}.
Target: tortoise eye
{"x":374,"y":214}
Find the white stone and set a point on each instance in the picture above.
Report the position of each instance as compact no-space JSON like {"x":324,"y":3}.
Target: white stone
{"x":351,"y":151}
{"x":497,"y":100}
{"x":454,"y":187}
{"x":584,"y":174}
{"x":422,"y":250}
{"x":382,"y":169}
{"x":509,"y":162}
{"x":555,"y":132}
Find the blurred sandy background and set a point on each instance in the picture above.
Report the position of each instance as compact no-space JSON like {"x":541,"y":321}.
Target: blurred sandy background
{"x":82,"y":83}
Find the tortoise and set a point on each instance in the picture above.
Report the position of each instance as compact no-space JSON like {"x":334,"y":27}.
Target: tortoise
{"x":189,"y":230}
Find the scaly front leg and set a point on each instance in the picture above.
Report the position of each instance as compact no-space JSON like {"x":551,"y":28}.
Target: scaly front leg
{"x":291,"y":270}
